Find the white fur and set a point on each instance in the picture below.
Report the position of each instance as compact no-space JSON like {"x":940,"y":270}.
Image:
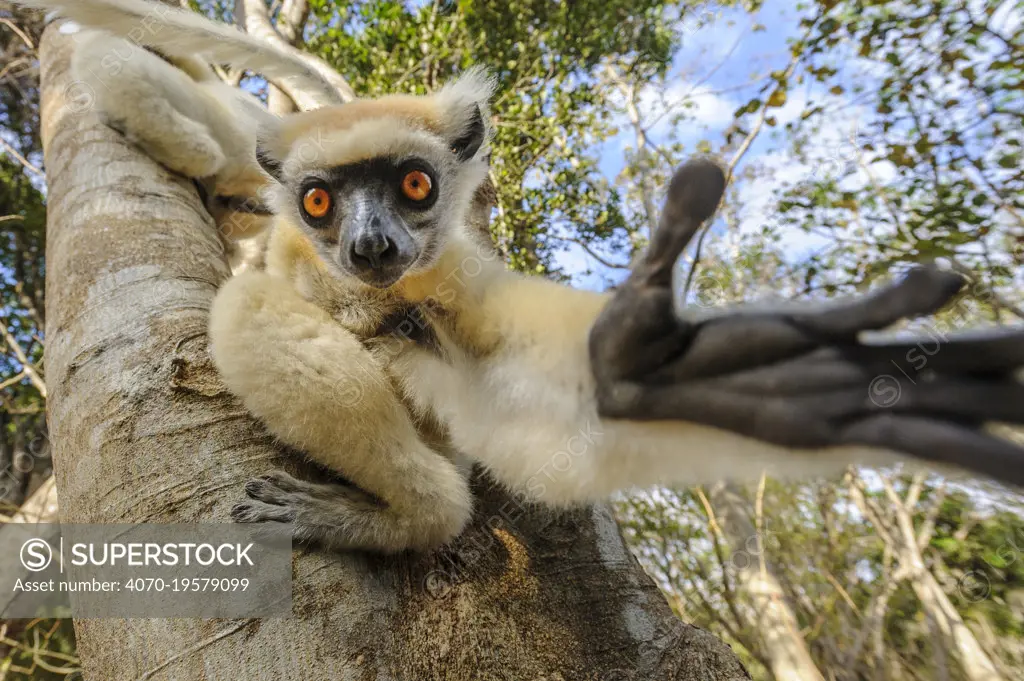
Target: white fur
{"x":528,"y":412}
{"x":512,"y":386}
{"x":316,"y":388}
{"x":182,"y":33}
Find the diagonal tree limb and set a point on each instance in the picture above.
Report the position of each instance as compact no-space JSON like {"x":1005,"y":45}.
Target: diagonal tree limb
{"x":254,"y":15}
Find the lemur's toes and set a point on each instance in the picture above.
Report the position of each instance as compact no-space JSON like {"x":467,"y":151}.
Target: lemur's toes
{"x":259,"y":512}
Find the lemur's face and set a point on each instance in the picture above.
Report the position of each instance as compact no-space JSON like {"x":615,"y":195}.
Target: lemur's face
{"x":380,"y":185}
{"x":379,"y":218}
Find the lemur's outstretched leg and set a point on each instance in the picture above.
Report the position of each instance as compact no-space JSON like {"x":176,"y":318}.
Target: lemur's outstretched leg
{"x":152,"y":103}
{"x":317,"y":389}
{"x":803,"y":379}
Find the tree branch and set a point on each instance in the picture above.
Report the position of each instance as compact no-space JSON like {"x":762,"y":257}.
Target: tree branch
{"x":27,"y":367}
{"x":589,"y":251}
{"x":21,"y":159}
{"x":255,"y":17}
{"x":730,"y":168}
{"x":290,"y":22}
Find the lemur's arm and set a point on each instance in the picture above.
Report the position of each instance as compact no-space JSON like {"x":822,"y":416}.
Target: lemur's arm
{"x":183,"y":33}
{"x":316,"y":388}
{"x":802,"y":378}
{"x":592,"y":397}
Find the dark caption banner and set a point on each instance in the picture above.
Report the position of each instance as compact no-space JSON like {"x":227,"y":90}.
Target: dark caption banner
{"x":90,"y":571}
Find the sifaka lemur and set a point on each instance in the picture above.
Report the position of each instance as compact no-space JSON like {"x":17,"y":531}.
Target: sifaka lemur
{"x":386,"y":343}
{"x":382,"y":342}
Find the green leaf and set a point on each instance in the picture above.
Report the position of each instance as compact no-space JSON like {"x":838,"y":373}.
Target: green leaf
{"x":777,"y":98}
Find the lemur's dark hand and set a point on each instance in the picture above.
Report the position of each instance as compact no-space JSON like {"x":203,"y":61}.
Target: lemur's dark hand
{"x":802,"y":378}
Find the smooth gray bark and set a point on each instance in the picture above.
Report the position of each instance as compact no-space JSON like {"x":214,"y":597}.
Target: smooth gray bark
{"x":144,"y":431}
{"x":776,"y":625}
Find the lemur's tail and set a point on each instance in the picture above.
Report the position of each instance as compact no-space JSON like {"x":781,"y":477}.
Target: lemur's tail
{"x":182,"y":33}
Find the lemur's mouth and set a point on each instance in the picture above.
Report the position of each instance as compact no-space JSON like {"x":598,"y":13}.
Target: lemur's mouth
{"x":382,"y":278}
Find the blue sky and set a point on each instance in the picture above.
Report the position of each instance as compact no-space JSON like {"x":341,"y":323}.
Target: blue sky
{"x":728,"y":60}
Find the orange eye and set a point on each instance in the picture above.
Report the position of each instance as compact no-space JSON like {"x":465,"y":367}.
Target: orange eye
{"x":317,"y":202}
{"x":417,"y":185}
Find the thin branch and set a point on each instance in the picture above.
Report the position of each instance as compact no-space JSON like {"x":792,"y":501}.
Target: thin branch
{"x":707,"y":76}
{"x":984,"y":289}
{"x":21,"y":159}
{"x":292,"y":19}
{"x":870,"y":510}
{"x":20,"y":33}
{"x":582,"y":244}
{"x":759,"y":523}
{"x":717,"y":538}
{"x":629,"y":92}
{"x":13,"y":380}
{"x":290,"y":22}
{"x":27,"y":367}
{"x":13,"y":64}
{"x":924,"y":535}
{"x":737,"y":157}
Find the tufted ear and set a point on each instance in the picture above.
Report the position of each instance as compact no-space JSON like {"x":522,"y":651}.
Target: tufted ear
{"x":267,"y":161}
{"x":271,"y":152}
{"x":465,"y":147}
{"x":464,"y":107}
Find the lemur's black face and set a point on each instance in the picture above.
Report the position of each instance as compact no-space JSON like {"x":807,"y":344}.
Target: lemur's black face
{"x":374,"y":218}
{"x":381,"y":195}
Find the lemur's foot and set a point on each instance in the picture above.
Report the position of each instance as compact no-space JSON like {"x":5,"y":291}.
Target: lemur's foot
{"x":801,"y":377}
{"x":342,"y":517}
{"x":280,"y":498}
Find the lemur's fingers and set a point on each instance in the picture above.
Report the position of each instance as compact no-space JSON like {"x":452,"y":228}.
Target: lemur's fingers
{"x":694,"y":193}
{"x":637,"y":331}
{"x":856,"y":365}
{"x":988,"y":353}
{"x":802,"y":379}
{"x":924,"y":291}
{"x":743,"y":339}
{"x":810,"y":412}
{"x":941,"y":442}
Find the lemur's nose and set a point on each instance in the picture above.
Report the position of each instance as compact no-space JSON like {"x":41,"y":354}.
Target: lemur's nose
{"x":373,"y":249}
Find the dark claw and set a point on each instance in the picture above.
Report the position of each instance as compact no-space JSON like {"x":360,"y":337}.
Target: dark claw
{"x":259,"y":512}
{"x":804,"y":379}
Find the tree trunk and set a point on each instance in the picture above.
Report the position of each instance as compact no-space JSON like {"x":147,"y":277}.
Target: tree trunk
{"x":776,"y":624}
{"x":144,"y":431}
{"x":974,"y":661}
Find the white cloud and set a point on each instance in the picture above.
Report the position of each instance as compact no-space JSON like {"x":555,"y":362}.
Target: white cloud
{"x":704,"y":108}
